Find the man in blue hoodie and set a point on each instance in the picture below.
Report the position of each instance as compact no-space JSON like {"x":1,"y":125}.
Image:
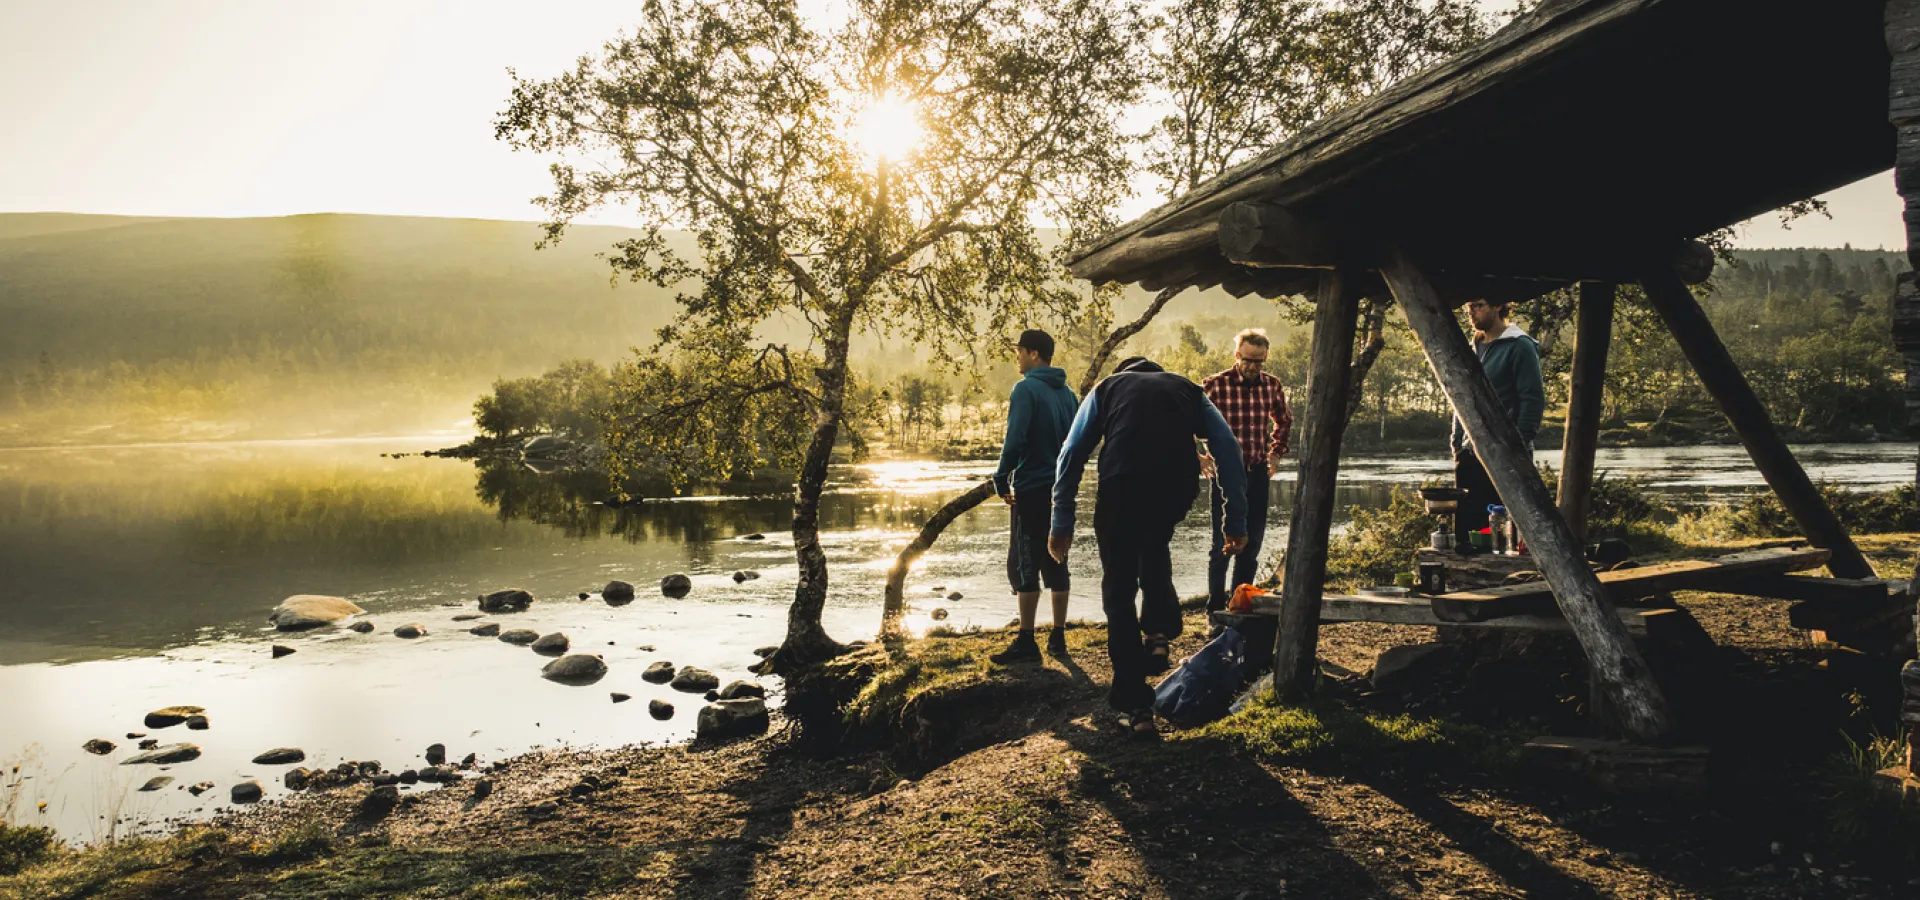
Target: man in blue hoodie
{"x":1511,"y":359}
{"x":1149,"y":477}
{"x":1038,"y":415}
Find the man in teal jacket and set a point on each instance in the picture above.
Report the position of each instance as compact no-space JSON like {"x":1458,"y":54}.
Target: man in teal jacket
{"x":1038,"y":416}
{"x":1511,"y":359}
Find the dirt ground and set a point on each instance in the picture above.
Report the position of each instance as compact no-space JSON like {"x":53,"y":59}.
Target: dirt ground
{"x":1041,"y":797}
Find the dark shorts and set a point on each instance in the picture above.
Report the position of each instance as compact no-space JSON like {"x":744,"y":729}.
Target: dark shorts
{"x":1028,"y":562}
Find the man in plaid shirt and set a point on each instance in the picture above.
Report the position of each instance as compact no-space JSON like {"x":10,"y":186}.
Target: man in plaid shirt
{"x":1255,"y":407}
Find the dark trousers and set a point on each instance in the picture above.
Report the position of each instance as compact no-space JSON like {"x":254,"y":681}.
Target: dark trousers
{"x":1133,"y":521}
{"x":1259,"y":490}
{"x":1028,"y":562}
{"x":1470,"y":476}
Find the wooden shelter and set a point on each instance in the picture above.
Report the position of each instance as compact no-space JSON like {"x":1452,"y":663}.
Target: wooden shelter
{"x":1590,"y":142}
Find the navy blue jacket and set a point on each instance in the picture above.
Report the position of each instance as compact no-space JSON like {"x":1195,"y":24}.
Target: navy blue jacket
{"x":1038,"y":415}
{"x":1149,"y":418}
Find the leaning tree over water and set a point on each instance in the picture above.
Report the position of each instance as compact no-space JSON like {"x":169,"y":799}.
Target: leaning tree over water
{"x":883,"y":172}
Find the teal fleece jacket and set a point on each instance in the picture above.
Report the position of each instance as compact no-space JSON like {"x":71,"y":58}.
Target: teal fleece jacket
{"x":1512,"y":363}
{"x":1038,"y":415}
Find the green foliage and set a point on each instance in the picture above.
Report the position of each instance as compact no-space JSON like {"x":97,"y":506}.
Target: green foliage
{"x":22,"y":845}
{"x":1862,"y":512}
{"x":1331,"y":731}
{"x":1380,"y":543}
{"x":574,"y":398}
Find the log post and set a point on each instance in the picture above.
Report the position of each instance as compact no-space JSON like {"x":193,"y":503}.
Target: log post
{"x":1335,"y":317}
{"x":1903,"y":110}
{"x":1711,"y":361}
{"x":1592,"y":335}
{"x":1617,"y":665}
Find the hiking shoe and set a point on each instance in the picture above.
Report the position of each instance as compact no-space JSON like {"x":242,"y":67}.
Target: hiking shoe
{"x":1057,"y":643}
{"x":1023,"y":649}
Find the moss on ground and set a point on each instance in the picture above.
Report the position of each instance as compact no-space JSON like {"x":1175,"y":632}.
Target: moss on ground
{"x":1329,"y":730}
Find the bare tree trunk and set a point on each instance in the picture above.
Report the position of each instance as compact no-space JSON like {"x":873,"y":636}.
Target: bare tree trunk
{"x":807,"y":641}
{"x":1374,"y":319}
{"x":953,"y":509}
{"x":1098,"y":363}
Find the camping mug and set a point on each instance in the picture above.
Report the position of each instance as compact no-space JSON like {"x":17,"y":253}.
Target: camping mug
{"x":1433,"y":578}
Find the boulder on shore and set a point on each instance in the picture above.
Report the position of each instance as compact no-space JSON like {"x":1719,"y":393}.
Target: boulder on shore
{"x":519,"y":636}
{"x":491,"y":629}
{"x":410,"y":631}
{"x":726,"y":719}
{"x":553,"y":644}
{"x":281,"y":756}
{"x":171,"y":716}
{"x":303,"y":611}
{"x":578,"y":669}
{"x":165,"y":754}
{"x":436,"y":754}
{"x":695,"y":680}
{"x":740,"y":690}
{"x":379,"y":802}
{"x":512,"y":600}
{"x":617,"y":593}
{"x":660,"y":709}
{"x":676,"y":585}
{"x":98,"y":746}
{"x":1410,"y":666}
{"x":247,"y":792}
{"x":658,"y":673}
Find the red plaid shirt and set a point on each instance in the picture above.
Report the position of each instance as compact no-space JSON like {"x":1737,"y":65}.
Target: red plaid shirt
{"x":1247,"y":406}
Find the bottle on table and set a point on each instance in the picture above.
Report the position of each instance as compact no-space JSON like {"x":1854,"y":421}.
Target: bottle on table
{"x":1501,"y":526}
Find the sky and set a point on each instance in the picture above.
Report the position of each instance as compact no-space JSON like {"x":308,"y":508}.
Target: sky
{"x":267,"y":108}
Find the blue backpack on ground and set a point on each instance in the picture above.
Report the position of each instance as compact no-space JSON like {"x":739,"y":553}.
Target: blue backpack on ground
{"x":1199,"y":691}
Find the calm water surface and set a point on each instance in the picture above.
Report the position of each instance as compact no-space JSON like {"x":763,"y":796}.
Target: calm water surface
{"x":138,"y":577}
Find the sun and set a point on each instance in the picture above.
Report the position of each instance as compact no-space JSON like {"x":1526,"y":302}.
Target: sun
{"x":887,"y":129}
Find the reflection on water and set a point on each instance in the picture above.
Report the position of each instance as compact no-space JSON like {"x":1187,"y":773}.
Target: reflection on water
{"x":136,"y":577}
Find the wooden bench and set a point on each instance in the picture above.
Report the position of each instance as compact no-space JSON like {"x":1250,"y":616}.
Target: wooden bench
{"x":1748,"y":572}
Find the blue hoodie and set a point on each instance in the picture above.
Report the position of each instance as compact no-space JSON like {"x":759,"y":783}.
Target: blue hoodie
{"x":1038,"y":415}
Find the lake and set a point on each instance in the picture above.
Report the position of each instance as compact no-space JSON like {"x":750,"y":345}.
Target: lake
{"x":137,"y":577}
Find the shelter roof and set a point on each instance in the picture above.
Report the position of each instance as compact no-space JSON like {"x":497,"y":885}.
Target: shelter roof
{"x":1568,"y":143}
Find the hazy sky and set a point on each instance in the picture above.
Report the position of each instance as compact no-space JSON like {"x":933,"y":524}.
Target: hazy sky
{"x":263,"y":107}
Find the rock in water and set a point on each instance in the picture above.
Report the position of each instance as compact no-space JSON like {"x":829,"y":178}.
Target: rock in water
{"x":165,"y":755}
{"x":379,"y":802}
{"x":732,"y":718}
{"x":695,"y":680}
{"x":756,"y":536}
{"x":362,"y":627}
{"x":247,"y":792}
{"x":955,"y":596}
{"x":507,"y":601}
{"x":583,"y":595}
{"x":436,"y":754}
{"x":149,"y":743}
{"x":198,"y":723}
{"x":98,"y":746}
{"x":740,"y":690}
{"x":939,"y":615}
{"x":676,"y":586}
{"x":410,"y":631}
{"x":617,"y":593}
{"x":157,"y":782}
{"x":281,"y":756}
{"x":660,"y":709}
{"x":280,"y":650}
{"x":745,"y":575}
{"x":303,"y":611}
{"x":466,"y":617}
{"x":658,"y":673}
{"x":200,"y":788}
{"x":576,"y":669}
{"x":621,"y":698}
{"x":764,"y":652}
{"x":553,"y":644}
{"x":520,"y":636}
{"x":297,"y":778}
{"x":171,"y":716}
{"x":491,"y":629}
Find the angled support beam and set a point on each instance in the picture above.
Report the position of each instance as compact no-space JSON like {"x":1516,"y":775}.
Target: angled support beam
{"x":1593,"y":332}
{"x":1336,"y":316}
{"x":1711,"y":361}
{"x":1621,"y":674}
